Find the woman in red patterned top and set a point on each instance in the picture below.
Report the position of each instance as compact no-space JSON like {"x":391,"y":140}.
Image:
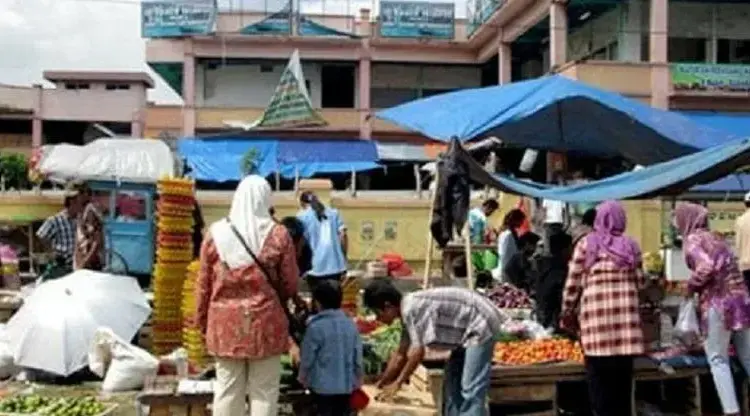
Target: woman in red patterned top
{"x":239,"y":308}
{"x":601,"y":299}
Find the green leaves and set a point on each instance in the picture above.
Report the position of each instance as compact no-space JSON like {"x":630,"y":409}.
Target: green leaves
{"x":14,"y":170}
{"x":250,"y":159}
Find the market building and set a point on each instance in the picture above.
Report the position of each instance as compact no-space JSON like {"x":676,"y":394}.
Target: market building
{"x":77,"y":107}
{"x":683,"y":55}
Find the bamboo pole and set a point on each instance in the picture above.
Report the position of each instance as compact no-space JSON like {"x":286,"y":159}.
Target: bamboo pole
{"x":467,"y":252}
{"x":430,"y":240}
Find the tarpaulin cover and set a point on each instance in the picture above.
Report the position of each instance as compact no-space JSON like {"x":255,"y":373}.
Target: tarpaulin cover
{"x":735,"y":123}
{"x":129,"y":160}
{"x":559,"y":114}
{"x":732,"y":183}
{"x":220,"y":159}
{"x":667,"y":178}
{"x":308,"y":157}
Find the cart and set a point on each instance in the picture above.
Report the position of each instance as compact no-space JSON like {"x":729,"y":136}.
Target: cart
{"x":122,"y":174}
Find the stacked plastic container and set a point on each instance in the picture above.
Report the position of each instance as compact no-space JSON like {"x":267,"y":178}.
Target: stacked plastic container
{"x":174,"y":253}
{"x":192,"y":339}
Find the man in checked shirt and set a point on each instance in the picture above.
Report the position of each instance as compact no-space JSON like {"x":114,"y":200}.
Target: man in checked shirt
{"x":59,"y":230}
{"x":456,"y":319}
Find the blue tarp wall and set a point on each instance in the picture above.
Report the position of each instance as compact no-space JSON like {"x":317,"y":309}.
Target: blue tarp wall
{"x":219,"y":159}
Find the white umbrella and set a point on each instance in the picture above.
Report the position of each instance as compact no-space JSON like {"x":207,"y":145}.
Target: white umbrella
{"x":55,"y":327}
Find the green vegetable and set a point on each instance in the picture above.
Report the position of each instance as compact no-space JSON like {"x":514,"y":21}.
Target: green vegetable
{"x":379,"y":345}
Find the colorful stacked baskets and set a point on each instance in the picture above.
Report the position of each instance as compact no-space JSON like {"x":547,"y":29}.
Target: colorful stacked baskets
{"x":174,"y":253}
{"x":192,"y":339}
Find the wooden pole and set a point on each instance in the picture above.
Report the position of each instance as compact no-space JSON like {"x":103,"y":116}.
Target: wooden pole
{"x":467,"y":252}
{"x":430,"y":240}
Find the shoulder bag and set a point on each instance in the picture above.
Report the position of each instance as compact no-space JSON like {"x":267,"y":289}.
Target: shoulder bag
{"x":298,"y":318}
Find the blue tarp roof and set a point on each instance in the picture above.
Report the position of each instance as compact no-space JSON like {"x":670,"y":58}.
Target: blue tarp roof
{"x":559,"y":114}
{"x":219,"y":159}
{"x":667,"y":178}
{"x":735,"y":123}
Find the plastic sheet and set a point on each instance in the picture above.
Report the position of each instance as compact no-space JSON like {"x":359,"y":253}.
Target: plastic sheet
{"x":127,"y":160}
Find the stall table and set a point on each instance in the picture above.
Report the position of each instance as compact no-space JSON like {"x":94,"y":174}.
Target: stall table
{"x":539,"y":383}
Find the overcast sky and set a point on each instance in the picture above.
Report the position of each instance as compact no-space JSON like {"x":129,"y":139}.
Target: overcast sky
{"x":38,"y":35}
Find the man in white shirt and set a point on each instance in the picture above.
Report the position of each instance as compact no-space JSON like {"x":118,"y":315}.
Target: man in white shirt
{"x":555,"y":219}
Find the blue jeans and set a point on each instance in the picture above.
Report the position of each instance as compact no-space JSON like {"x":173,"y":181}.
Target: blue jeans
{"x":716,"y":346}
{"x":467,"y":380}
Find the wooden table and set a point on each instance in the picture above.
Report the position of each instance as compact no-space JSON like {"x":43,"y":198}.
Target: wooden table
{"x":539,"y":383}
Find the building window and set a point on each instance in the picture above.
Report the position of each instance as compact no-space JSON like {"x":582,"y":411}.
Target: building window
{"x":77,"y":86}
{"x":691,"y":50}
{"x":732,"y":51}
{"x":112,"y":87}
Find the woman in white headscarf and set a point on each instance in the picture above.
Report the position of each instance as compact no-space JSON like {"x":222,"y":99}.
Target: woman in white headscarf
{"x":248,"y":269}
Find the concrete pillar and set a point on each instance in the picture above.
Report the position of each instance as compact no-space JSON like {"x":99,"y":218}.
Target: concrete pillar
{"x":661,"y":84}
{"x":137,"y":124}
{"x":364,"y":79}
{"x":37,"y":118}
{"x":504,"y":61}
{"x":558,"y":51}
{"x":188,"y":90}
{"x":558,"y":34}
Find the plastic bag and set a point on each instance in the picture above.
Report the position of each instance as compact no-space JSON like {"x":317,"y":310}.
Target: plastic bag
{"x":687,"y":327}
{"x":123,"y":366}
{"x":7,"y":364}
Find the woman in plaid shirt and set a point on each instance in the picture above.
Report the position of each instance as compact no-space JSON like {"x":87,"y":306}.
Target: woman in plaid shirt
{"x":601,"y":300}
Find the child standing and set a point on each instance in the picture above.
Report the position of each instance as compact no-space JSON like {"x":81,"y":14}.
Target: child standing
{"x":331,"y":357}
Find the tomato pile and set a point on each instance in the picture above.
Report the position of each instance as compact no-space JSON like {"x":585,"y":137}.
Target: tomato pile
{"x":529,"y":352}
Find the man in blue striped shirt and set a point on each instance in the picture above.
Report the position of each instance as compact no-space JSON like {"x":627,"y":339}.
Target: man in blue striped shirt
{"x":331,"y":356}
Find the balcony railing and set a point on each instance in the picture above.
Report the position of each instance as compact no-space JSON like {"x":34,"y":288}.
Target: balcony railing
{"x":169,"y":118}
{"x":631,"y":79}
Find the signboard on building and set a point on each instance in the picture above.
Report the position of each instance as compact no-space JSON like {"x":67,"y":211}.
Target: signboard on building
{"x":478,"y":11}
{"x":711,"y":77}
{"x":177,"y":18}
{"x":414,"y":19}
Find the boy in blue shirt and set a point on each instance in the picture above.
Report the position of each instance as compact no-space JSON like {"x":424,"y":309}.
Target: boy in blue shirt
{"x":331,"y":356}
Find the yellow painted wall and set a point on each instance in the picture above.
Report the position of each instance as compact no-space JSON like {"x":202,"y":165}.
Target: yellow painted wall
{"x":405,"y":219}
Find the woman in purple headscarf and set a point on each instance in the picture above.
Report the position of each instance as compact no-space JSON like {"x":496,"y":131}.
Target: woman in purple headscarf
{"x":601,"y":301}
{"x":723,"y":298}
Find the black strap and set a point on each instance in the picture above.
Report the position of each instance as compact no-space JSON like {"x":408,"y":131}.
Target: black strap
{"x":262,"y":266}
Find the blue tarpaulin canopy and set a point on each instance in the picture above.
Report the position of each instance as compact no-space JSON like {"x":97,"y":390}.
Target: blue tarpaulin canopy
{"x":219,"y":159}
{"x":735,"y":123}
{"x":559,"y":114}
{"x":309,"y":157}
{"x":666,"y":178}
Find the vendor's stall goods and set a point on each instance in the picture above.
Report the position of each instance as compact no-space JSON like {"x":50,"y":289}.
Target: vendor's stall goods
{"x":35,"y":404}
{"x":378,"y":347}
{"x":24,"y":404}
{"x":173,"y":254}
{"x":350,"y":295}
{"x":192,"y":339}
{"x":529,"y":352}
{"x":506,"y":295}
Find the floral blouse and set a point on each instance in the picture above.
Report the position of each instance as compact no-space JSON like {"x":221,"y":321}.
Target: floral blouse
{"x":717,"y":279}
{"x":238,"y":311}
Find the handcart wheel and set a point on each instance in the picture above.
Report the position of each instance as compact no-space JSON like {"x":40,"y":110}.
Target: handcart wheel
{"x":116,"y":264}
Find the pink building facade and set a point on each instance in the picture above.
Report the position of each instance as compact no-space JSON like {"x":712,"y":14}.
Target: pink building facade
{"x":79,"y":96}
